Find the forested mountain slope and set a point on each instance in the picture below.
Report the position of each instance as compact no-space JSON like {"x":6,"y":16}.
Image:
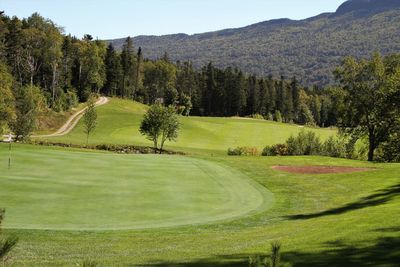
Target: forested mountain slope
{"x":309,"y":49}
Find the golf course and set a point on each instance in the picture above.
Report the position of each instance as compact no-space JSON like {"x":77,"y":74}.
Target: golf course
{"x":119,"y":123}
{"x":203,"y":208}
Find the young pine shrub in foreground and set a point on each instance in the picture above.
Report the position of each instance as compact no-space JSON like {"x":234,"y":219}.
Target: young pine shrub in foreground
{"x":6,"y":243}
{"x":273,"y":261}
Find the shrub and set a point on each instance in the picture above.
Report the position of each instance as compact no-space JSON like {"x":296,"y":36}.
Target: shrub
{"x":270,"y":117}
{"x":257,"y":116}
{"x":306,"y":117}
{"x":71,"y":99}
{"x":390,"y":150}
{"x":243,"y":151}
{"x":305,"y":143}
{"x":6,"y":244}
{"x":278,"y":116}
{"x":276,"y":150}
{"x":334,"y":147}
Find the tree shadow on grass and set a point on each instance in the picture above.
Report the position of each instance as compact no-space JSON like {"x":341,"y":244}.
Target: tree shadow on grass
{"x":379,"y":198}
{"x":384,"y":251}
{"x":217,"y":261}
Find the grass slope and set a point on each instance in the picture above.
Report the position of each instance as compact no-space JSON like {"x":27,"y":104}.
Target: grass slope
{"x":322,"y":220}
{"x":119,"y":121}
{"x":59,"y":190}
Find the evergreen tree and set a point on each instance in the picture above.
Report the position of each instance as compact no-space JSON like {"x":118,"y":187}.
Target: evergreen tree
{"x":14,"y":43}
{"x":113,"y":72}
{"x":128,"y":62}
{"x":281,"y":95}
{"x":272,"y":96}
{"x":262,"y":109}
{"x":295,"y":96}
{"x":288,"y":104}
{"x":139,"y":71}
{"x":209,"y":89}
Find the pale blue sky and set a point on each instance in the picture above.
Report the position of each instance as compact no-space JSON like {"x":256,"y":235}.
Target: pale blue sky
{"x":120,"y":18}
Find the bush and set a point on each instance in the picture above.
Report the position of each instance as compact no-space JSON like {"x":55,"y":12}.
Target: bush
{"x":6,"y":243}
{"x":71,"y":99}
{"x":334,"y":147}
{"x":257,"y":116}
{"x":278,"y":116}
{"x":243,"y":151}
{"x":390,"y":150}
{"x":276,"y":150}
{"x":306,"y":143}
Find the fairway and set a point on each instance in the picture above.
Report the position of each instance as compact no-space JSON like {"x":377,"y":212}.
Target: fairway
{"x":57,"y":189}
{"x":119,"y":121}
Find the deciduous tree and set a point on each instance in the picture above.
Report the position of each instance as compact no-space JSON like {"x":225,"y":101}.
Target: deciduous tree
{"x":159,"y":125}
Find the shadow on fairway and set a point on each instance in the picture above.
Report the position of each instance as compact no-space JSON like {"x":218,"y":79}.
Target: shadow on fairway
{"x":381,"y":197}
{"x":236,"y":260}
{"x":384,"y":252}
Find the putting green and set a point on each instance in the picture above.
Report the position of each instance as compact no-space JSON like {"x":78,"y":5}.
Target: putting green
{"x":57,"y":189}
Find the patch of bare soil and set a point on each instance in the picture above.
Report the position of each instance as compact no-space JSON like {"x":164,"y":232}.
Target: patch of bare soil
{"x":319,"y":169}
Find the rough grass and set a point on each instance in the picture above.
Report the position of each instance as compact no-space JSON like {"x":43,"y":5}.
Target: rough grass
{"x":119,"y":121}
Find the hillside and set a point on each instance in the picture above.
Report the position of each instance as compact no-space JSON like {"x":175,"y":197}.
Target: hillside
{"x":119,"y":121}
{"x":309,"y":49}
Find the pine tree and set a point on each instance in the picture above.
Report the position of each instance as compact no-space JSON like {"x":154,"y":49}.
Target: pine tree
{"x":262,"y":109}
{"x":128,"y":69}
{"x":139,"y":71}
{"x":295,"y":95}
{"x":272,"y":97}
{"x":281,"y":95}
{"x":210,"y":86}
{"x":113,"y":72}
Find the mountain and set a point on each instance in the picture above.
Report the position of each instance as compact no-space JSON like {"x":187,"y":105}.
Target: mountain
{"x":309,"y":49}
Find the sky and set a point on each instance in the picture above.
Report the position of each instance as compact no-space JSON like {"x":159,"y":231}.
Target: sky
{"x":120,"y":18}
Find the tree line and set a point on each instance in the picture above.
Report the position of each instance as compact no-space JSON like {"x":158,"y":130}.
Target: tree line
{"x":65,"y":69}
{"x":42,"y":68}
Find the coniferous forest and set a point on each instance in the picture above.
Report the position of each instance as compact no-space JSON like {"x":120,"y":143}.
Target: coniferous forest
{"x":46,"y":69}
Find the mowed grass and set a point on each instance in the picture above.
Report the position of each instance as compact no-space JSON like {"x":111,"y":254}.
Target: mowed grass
{"x":57,"y":190}
{"x":90,"y":200}
{"x":322,"y":220}
{"x":119,"y":122}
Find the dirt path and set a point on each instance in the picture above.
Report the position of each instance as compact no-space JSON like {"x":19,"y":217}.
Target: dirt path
{"x":73,"y":120}
{"x":69,"y":124}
